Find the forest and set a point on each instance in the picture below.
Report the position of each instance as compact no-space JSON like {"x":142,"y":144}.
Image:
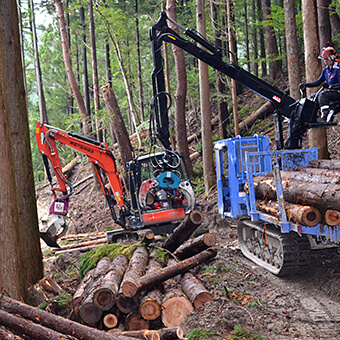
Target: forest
{"x":109,"y":43}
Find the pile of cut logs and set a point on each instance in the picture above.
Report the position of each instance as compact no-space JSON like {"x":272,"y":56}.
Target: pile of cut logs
{"x":311,"y":194}
{"x":145,"y":292}
{"x":143,"y":298}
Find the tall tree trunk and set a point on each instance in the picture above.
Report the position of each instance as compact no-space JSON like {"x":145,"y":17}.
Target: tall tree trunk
{"x":207,"y":147}
{"x":234,"y":60}
{"x":317,"y":137}
{"x":12,"y":273}
{"x":273,"y":54}
{"x":292,"y":47}
{"x":246,"y":30}
{"x":85,"y":75}
{"x":69,"y":70}
{"x":95,"y":73}
{"x":324,"y":24}
{"x":41,"y":96}
{"x":335,"y":20}
{"x":108,"y":63}
{"x":262,"y":43}
{"x":70,"y":104}
{"x":139,"y":65}
{"x":181,"y":92}
{"x":255,"y":45}
{"x":220,"y":83}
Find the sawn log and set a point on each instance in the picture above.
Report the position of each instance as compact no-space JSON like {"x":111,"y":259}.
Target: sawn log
{"x":322,"y":196}
{"x":184,"y":230}
{"x":55,"y":322}
{"x":132,"y":288}
{"x":299,"y":214}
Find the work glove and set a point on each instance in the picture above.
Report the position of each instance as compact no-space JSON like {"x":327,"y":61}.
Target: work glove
{"x":302,"y":86}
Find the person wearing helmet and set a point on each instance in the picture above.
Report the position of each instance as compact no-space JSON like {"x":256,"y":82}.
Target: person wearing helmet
{"x":329,"y":97}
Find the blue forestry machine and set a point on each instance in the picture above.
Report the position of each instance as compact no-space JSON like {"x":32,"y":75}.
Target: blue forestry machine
{"x":271,"y":241}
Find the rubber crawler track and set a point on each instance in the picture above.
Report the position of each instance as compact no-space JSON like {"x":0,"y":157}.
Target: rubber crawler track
{"x":294,"y":251}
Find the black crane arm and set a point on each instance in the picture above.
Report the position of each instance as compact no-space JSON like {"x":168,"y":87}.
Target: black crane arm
{"x":303,"y":112}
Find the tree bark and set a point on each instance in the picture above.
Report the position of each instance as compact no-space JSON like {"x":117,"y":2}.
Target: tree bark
{"x":261,"y":40}
{"x":324,"y":24}
{"x":142,"y":334}
{"x":195,"y":246}
{"x":125,"y":147}
{"x":292,"y":46}
{"x":69,"y":70}
{"x":55,"y":322}
{"x":181,"y":92}
{"x":150,"y":303}
{"x":135,"y":270}
{"x":171,"y":333}
{"x":272,"y":50}
{"x":300,"y":214}
{"x":183,"y":231}
{"x":132,"y":288}
{"x":12,"y":277}
{"x":81,"y":289}
{"x":322,"y":196}
{"x":7,"y":335}
{"x":38,"y":75}
{"x":135,"y":322}
{"x":28,"y":328}
{"x":194,"y":289}
{"x":325,"y":164}
{"x":103,"y":296}
{"x":18,"y":124}
{"x":317,"y":137}
{"x":207,"y":147}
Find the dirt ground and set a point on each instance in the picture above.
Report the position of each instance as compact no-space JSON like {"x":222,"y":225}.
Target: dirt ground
{"x":303,"y":307}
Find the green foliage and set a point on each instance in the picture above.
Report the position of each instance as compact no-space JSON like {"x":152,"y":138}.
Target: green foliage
{"x":245,"y":334}
{"x":90,"y":259}
{"x":161,"y":254}
{"x":216,"y":268}
{"x":200,"y":333}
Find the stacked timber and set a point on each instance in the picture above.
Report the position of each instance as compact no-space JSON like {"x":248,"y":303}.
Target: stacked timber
{"x":146,"y":292}
{"x":311,"y":194}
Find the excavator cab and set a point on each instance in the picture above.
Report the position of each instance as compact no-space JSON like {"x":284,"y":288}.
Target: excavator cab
{"x":160,"y":191}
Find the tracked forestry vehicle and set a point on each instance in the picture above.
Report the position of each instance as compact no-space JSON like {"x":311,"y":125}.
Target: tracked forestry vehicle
{"x":272,"y":241}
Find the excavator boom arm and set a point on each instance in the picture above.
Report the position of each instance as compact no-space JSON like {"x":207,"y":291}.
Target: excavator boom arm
{"x":98,"y":153}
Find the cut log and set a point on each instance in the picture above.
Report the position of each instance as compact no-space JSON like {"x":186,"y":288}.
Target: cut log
{"x":195,"y":246}
{"x":330,"y":164}
{"x":7,"y":335}
{"x":104,"y":296}
{"x":68,"y":168}
{"x":55,"y":322}
{"x":134,"y":322}
{"x":311,"y":177}
{"x":132,"y":288}
{"x":150,"y":303}
{"x":88,"y":311}
{"x":81,"y":244}
{"x":184,"y":230}
{"x":320,"y":172}
{"x":50,"y":288}
{"x":322,"y":196}
{"x":195,"y":290}
{"x":263,"y":111}
{"x":29,"y":328}
{"x":175,"y":308}
{"x":135,"y":270}
{"x":85,"y":300}
{"x":142,"y":334}
{"x":332,"y":217}
{"x":173,"y":333}
{"x":299,"y":214}
{"x":110,"y":320}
